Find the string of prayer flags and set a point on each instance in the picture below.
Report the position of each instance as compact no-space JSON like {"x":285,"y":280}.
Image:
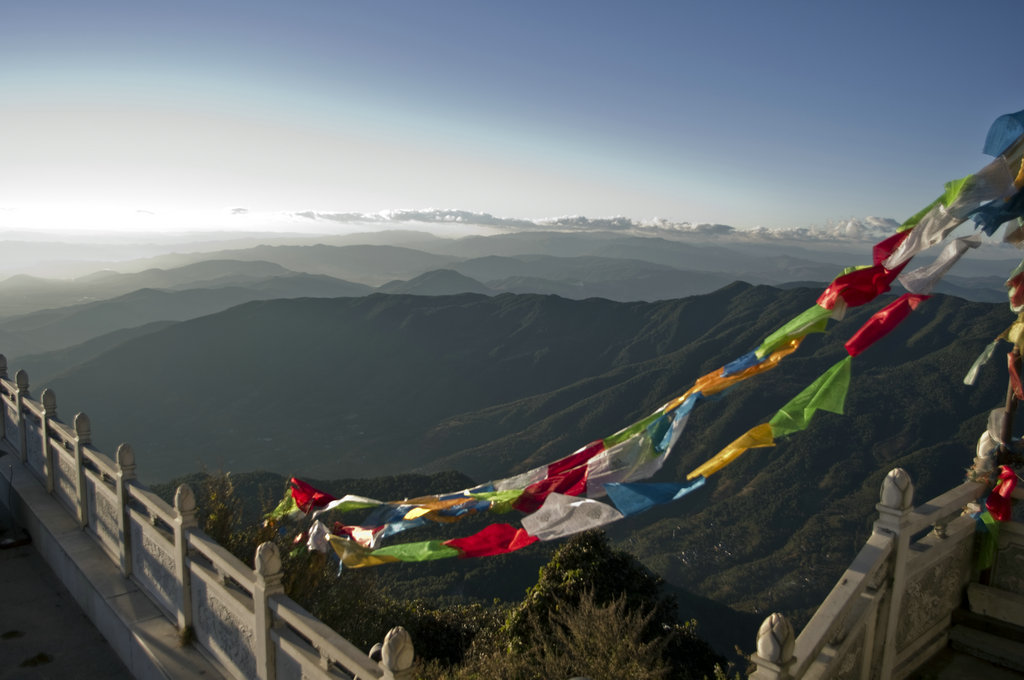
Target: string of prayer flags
{"x":560,"y":499}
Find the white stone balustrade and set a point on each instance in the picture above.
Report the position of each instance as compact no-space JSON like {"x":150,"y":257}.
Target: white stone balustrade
{"x":239,"y":616}
{"x":891,"y":610}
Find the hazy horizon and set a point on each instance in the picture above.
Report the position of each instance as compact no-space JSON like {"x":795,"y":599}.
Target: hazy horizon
{"x":742,"y":114}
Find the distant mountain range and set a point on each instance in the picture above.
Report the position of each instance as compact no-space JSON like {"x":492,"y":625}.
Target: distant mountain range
{"x":40,"y":315}
{"x":493,"y":385}
{"x":490,"y":355}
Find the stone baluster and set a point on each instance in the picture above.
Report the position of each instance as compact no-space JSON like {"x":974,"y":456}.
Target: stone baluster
{"x":268,"y":582}
{"x":775,"y":643}
{"x":397,"y":655}
{"x":3,"y":416}
{"x":21,"y":380}
{"x":896,"y":501}
{"x":185,"y":520}
{"x":49,"y":400}
{"x":984,"y":468}
{"x":83,"y":437}
{"x":125,"y":476}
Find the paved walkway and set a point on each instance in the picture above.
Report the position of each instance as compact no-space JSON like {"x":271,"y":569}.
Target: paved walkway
{"x":43,"y":632}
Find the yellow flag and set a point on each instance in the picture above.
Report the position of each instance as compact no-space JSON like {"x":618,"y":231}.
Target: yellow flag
{"x":755,"y":438}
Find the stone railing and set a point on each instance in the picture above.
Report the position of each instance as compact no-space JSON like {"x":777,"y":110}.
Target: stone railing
{"x":891,"y":610}
{"x":237,"y":615}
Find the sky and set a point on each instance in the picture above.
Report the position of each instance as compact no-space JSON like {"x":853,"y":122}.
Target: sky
{"x":748,"y":113}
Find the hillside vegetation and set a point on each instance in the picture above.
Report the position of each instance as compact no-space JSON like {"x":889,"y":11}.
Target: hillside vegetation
{"x":490,"y":386}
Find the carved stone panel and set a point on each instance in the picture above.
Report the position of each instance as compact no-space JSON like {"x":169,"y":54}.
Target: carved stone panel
{"x":222,"y":631}
{"x":932,"y":594}
{"x":34,"y":448}
{"x":849,"y":664}
{"x":1009,"y":571}
{"x":11,"y":424}
{"x":65,"y":479}
{"x":103,"y":515}
{"x":154,"y":569}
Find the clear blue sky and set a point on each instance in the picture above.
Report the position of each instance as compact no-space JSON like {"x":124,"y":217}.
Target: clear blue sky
{"x":747,"y":113}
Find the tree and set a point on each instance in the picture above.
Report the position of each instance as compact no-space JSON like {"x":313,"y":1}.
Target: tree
{"x":588,"y":589}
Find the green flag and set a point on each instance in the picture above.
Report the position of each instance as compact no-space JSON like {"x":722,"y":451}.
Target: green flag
{"x":812,"y":320}
{"x":828,"y":392}
{"x":421,"y":551}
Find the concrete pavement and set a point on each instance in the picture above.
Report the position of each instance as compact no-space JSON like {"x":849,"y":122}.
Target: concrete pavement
{"x":43,"y":631}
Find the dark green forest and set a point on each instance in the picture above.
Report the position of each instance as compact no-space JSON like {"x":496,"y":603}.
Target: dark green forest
{"x":353,"y":395}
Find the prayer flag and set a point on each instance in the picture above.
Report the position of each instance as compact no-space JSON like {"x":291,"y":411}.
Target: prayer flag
{"x":828,"y":392}
{"x":493,"y":539}
{"x":1004,"y":131}
{"x":882,"y":322}
{"x":998,"y":502}
{"x":812,"y":320}
{"x":756,"y":437}
{"x":562,"y":516}
{"x":631,"y":499}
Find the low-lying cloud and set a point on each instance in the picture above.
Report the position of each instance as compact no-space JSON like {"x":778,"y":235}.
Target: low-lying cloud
{"x":853,"y":229}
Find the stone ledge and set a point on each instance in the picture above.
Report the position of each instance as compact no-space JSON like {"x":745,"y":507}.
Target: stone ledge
{"x":992,"y":648}
{"x":144,"y":640}
{"x":996,"y":604}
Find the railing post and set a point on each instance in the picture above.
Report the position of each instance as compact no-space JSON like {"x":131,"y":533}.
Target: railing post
{"x":21,"y":380}
{"x":397,"y":655}
{"x":125,"y":476}
{"x":775,"y":644}
{"x":49,"y":400}
{"x":896,"y":501}
{"x":3,"y":415}
{"x":268,"y":582}
{"x":185,"y":519}
{"x":83,"y":436}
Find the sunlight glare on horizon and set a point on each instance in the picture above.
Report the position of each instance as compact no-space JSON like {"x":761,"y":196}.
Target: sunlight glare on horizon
{"x":747,"y":114}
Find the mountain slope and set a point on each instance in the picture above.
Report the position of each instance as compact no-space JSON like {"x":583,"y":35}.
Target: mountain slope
{"x":491,"y":386}
{"x":21,"y":295}
{"x":64,"y":327}
{"x":438,"y":282}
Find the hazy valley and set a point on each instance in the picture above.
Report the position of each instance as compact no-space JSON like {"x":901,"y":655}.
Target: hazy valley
{"x":335,"y":362}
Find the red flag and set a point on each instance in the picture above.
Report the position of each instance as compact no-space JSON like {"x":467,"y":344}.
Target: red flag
{"x":998,"y":502}
{"x":859,"y":286}
{"x":883,"y":249}
{"x":883,"y":321}
{"x":493,"y":539}
{"x":572,"y":482}
{"x":579,"y":457}
{"x":308,"y":498}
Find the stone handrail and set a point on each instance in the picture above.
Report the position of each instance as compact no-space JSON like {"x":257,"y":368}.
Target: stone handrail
{"x":238,"y":616}
{"x":891,"y":609}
